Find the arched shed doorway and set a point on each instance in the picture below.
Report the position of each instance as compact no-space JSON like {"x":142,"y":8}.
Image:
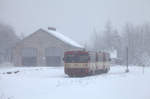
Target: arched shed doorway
{"x":29,"y":57}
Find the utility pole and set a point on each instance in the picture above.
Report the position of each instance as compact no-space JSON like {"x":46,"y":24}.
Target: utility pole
{"x":127,"y":61}
{"x":143,"y":49}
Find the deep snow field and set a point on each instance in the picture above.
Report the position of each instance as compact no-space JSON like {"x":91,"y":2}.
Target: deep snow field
{"x":52,"y":83}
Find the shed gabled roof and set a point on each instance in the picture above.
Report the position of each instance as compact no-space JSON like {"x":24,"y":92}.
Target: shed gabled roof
{"x":63,"y":38}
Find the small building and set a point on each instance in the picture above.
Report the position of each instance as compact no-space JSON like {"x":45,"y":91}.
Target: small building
{"x":43,"y":48}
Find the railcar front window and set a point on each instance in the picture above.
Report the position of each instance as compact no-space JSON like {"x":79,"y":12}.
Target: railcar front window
{"x":76,"y":58}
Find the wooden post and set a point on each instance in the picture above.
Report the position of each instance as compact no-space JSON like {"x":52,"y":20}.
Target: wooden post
{"x":127,"y":61}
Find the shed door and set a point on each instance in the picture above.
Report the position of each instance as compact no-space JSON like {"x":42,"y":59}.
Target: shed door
{"x":29,"y":57}
{"x":53,"y":56}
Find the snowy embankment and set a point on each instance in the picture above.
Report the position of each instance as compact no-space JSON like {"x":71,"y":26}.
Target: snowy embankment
{"x":52,"y":83}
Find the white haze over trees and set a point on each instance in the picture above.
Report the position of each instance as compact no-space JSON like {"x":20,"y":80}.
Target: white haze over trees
{"x":135,"y":37}
{"x":75,"y":18}
{"x":8,"y":39}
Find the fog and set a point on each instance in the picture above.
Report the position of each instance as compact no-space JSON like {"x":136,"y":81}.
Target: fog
{"x":113,"y":37}
{"x":74,"y":18}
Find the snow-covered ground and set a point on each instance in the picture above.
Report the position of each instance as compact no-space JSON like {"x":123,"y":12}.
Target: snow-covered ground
{"x":52,"y":83}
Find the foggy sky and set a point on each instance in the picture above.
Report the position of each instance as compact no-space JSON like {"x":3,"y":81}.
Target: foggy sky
{"x":74,"y":18}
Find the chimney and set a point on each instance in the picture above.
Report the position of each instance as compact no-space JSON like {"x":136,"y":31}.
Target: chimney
{"x":52,"y":28}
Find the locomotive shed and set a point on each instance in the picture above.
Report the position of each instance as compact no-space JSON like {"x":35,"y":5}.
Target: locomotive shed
{"x":43,"y":48}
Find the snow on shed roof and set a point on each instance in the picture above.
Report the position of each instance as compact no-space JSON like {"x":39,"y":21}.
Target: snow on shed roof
{"x":64,"y":38}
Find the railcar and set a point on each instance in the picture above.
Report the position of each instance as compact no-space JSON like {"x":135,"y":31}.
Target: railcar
{"x":83,"y":63}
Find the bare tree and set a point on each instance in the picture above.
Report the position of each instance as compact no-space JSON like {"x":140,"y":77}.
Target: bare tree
{"x":136,"y":38}
{"x":8,"y":39}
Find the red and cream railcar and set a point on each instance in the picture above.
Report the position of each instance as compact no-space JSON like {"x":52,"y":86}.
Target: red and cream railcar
{"x":83,"y":63}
